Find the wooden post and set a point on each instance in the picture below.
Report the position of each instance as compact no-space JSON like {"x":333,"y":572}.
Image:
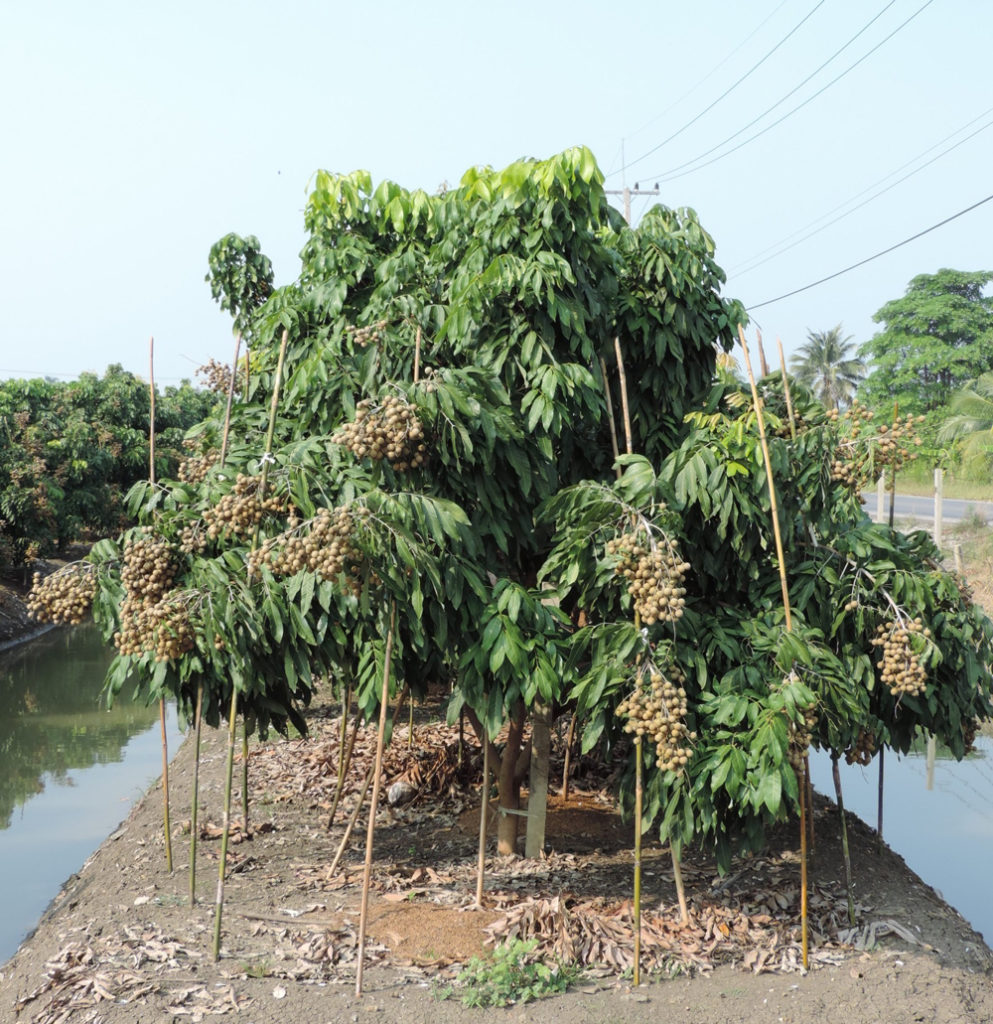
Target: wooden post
{"x":939,"y":481}
{"x":638,"y":799}
{"x":932,"y":752}
{"x":881,"y":498}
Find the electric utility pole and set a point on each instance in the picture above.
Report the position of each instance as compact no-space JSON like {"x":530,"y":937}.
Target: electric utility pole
{"x":628,"y":192}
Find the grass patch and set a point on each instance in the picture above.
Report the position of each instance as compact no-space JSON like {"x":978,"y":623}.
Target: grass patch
{"x":507,"y":976}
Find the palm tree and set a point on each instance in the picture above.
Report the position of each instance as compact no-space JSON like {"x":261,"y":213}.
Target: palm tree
{"x":970,"y":420}
{"x":827,"y":365}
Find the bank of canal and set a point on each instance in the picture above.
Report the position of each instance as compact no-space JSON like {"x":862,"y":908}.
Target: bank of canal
{"x":70,"y":769}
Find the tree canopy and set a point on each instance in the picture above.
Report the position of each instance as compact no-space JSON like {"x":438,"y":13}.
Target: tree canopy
{"x":935,"y":339}
{"x":444,"y":446}
{"x":69,"y":452}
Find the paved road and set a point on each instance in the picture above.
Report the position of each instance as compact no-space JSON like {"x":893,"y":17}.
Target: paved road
{"x":909,"y":507}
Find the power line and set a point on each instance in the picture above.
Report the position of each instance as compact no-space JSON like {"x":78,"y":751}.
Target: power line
{"x":710,"y":74}
{"x":858,"y":195}
{"x":783,"y":99}
{"x":759,"y":262}
{"x":670,"y":176}
{"x":726,"y":92}
{"x":869,"y":259}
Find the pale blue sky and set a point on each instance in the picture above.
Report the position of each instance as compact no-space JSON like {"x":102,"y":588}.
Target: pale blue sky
{"x":134,"y":135}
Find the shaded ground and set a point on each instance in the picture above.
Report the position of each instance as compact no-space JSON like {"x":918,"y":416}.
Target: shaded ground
{"x":122,"y":943}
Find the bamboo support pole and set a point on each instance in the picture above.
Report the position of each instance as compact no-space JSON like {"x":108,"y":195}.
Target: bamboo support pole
{"x":417,"y":356}
{"x":198,"y":714}
{"x":195,"y":795}
{"x":165,"y":786}
{"x":610,"y":416}
{"x":846,"y":855}
{"x":763,"y":365}
{"x":230,"y":400}
{"x":349,"y":828}
{"x":786,"y":390}
{"x":484,"y":808}
{"x":624,"y":396}
{"x":233,"y":714}
{"x":784,"y":587}
{"x":344,"y":763}
{"x":244,"y":778}
{"x":167,"y":829}
{"x":638,"y":811}
{"x":374,"y":803}
{"x":569,"y":737}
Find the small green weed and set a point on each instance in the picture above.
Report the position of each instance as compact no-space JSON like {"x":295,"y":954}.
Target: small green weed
{"x":507,"y":976}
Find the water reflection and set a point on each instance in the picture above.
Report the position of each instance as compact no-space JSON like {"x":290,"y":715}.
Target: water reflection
{"x":943,"y":833}
{"x":69,"y":768}
{"x":52,"y":719}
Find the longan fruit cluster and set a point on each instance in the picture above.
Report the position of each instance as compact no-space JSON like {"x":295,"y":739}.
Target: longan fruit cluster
{"x":659,"y":712}
{"x":327,"y":548}
{"x":216,"y":376}
{"x":654,"y":576}
{"x":193,"y":538}
{"x":864,"y":749}
{"x":162,"y":627}
{"x":899,"y":663}
{"x":149,"y":567}
{"x":365,"y":336}
{"x":892,"y":443}
{"x":193,"y":469}
{"x":387,"y":430}
{"x":63,"y":597}
{"x":799,"y":737}
{"x":242,"y":508}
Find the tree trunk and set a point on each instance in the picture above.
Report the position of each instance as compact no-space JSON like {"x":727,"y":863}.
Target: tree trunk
{"x":541,"y":727}
{"x":509,"y":784}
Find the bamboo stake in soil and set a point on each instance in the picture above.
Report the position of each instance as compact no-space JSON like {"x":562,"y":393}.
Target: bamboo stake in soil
{"x":162,"y":709}
{"x":351,"y":824}
{"x":570,"y":736}
{"x":610,"y":416}
{"x":484,"y":809}
{"x":195,"y":797}
{"x":244,"y":777}
{"x":840,"y":800}
{"x":371,"y":831}
{"x":774,"y":511}
{"x":344,"y":763}
{"x":233,"y":714}
{"x":638,"y":802}
{"x":197,"y":717}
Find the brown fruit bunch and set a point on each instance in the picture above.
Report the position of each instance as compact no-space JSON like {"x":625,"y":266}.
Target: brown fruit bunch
{"x":864,"y":749}
{"x":658,"y":712}
{"x":216,"y":376}
{"x":149,"y":567}
{"x":324,"y":545}
{"x":193,"y":468}
{"x":902,"y":642}
{"x":63,"y":597}
{"x":654,"y":576}
{"x":162,"y":627}
{"x":363,"y":337}
{"x":242,"y":508}
{"x":387,"y":430}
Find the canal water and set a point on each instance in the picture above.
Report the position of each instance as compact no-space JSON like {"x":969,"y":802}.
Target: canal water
{"x":70,"y":769}
{"x":945,"y":833}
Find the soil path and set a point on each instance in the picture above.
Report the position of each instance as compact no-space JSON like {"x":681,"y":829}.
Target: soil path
{"x":121,"y":942}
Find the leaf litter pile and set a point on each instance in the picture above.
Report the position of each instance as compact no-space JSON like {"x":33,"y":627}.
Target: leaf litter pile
{"x":295,"y":919}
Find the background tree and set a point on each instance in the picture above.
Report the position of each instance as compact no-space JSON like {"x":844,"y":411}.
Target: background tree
{"x":828,"y":366}
{"x":970,"y":424}
{"x":935,"y":339}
